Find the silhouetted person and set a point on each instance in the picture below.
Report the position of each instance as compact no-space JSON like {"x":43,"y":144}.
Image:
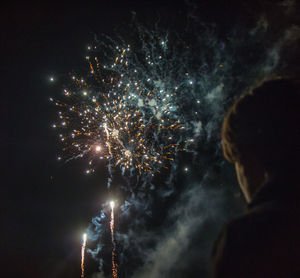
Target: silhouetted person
{"x":261,"y":136}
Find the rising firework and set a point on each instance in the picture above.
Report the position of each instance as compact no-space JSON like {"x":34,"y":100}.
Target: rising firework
{"x":84,"y":238}
{"x":113,"y":254}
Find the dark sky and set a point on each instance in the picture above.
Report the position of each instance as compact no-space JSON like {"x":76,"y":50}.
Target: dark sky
{"x":46,"y":205}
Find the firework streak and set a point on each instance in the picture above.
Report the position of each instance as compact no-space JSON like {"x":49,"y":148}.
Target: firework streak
{"x":113,"y":254}
{"x":82,"y":254}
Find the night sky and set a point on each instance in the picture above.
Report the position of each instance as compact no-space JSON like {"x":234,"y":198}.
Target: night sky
{"x":46,"y":205}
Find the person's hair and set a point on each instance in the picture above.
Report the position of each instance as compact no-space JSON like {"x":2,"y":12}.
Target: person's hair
{"x":264,"y":124}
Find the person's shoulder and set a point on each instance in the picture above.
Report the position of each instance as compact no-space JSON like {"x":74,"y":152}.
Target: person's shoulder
{"x":235,"y":230}
{"x":243,"y":229}
{"x":229,"y":248}
{"x":265,"y":240}
{"x":239,"y":242}
{"x":241,"y":223}
{"x":231,"y":234}
{"x":257,"y":228}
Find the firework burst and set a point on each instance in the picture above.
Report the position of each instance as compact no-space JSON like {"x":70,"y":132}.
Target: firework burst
{"x":126,"y":113}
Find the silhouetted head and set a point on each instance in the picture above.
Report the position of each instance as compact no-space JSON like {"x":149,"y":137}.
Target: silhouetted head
{"x":261,"y":133}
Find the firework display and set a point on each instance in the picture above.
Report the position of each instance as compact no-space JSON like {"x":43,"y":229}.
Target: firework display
{"x":136,"y":107}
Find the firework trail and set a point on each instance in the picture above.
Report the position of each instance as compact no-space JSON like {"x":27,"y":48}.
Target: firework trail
{"x":84,"y":238}
{"x":113,"y":254}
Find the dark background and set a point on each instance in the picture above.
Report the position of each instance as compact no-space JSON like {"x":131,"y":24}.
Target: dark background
{"x":46,"y":205}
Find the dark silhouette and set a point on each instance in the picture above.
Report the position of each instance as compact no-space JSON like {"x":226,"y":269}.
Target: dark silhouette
{"x":261,"y":136}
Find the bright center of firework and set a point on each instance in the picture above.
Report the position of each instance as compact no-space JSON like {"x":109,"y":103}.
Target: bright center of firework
{"x":98,"y":148}
{"x":84,"y":237}
{"x":112,"y":204}
{"x":127,"y":153}
{"x":115,"y":133}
